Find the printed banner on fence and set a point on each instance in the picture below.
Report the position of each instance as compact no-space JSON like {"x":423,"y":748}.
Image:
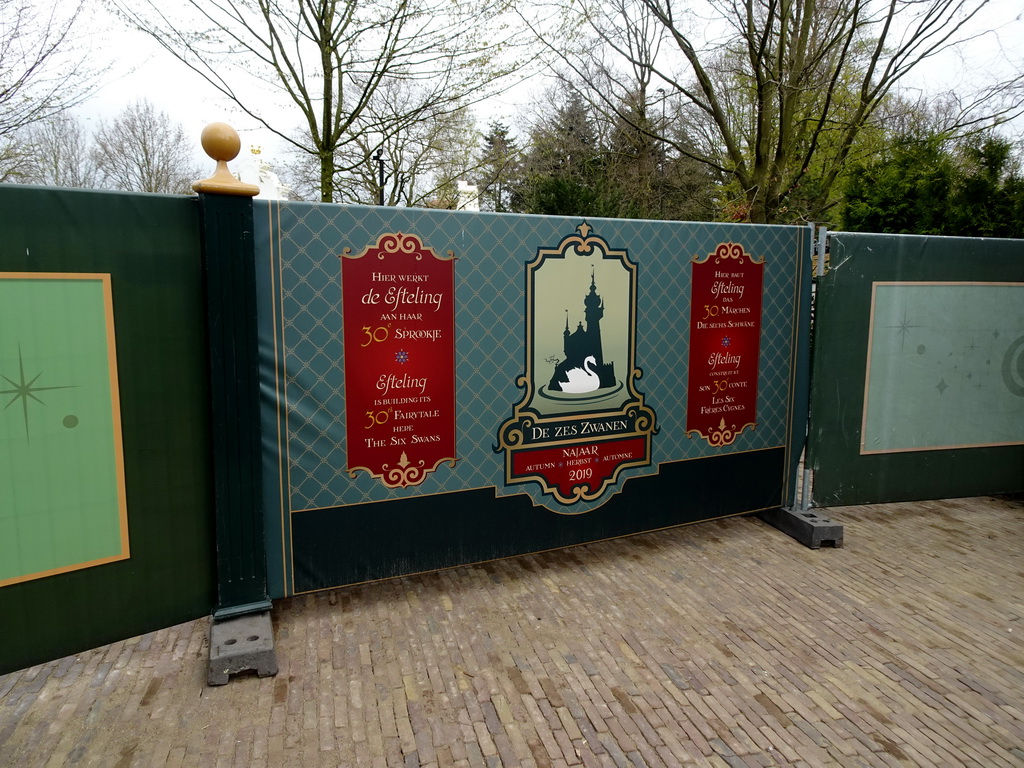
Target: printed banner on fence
{"x":725,"y":344}
{"x":582,"y":420}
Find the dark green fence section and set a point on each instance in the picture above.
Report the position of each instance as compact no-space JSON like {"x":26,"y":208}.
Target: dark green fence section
{"x":918,"y":370}
{"x":234,"y":393}
{"x":149,"y":247}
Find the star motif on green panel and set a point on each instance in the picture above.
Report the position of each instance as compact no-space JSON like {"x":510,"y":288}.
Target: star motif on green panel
{"x":903,"y":328}
{"x":26,"y":389}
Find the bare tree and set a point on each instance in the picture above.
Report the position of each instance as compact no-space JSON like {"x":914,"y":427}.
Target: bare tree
{"x":44,"y":68}
{"x":43,"y":71}
{"x":60,"y":153}
{"x":774,"y":93}
{"x":143,"y":151}
{"x":324,"y":61}
{"x":423,"y":155}
{"x":15,"y":160}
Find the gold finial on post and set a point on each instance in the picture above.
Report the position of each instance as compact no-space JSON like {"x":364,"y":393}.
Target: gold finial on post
{"x":220,"y":141}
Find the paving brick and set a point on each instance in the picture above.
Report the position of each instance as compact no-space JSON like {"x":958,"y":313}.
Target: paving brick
{"x":721,"y":644}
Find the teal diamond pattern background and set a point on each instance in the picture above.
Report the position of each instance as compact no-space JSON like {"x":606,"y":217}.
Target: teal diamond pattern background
{"x":302,"y":355}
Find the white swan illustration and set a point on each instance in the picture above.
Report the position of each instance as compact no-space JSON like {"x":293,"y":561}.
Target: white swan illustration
{"x":580,"y":380}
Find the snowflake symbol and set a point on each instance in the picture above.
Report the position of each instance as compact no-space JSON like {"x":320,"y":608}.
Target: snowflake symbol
{"x":401,"y":356}
{"x":726,"y":341}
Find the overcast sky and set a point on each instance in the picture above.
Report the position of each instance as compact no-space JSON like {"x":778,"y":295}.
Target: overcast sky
{"x":145,"y":70}
{"x":142,"y":70}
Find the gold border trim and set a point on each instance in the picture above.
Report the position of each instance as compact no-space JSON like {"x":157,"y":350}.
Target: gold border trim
{"x":397,"y":242}
{"x":726,"y":251}
{"x":578,"y":493}
{"x":404,"y":474}
{"x":723,"y":435}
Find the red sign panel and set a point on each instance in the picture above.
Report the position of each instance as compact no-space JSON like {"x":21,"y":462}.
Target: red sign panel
{"x":725,"y":344}
{"x":575,"y":470}
{"x":399,"y":327}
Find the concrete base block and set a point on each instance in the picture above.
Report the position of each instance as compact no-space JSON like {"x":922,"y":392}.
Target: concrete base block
{"x":807,"y":527}
{"x":239,"y":644}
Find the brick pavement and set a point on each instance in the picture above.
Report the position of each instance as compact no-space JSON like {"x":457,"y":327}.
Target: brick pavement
{"x":719,"y":644}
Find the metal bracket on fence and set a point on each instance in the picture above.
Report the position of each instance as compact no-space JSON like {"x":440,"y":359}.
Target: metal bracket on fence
{"x":805,"y":491}
{"x":822,"y":245}
{"x":807,"y":527}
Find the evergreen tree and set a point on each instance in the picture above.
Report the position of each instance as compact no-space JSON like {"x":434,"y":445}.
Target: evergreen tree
{"x":904,"y":191}
{"x":585,"y":162}
{"x":987,"y":200}
{"x":649,"y":179}
{"x":933,"y":185}
{"x":636,"y":163}
{"x":500,"y":178}
{"x":563,"y":173}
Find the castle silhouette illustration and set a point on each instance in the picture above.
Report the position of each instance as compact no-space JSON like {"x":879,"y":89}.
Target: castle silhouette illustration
{"x":583,"y":343}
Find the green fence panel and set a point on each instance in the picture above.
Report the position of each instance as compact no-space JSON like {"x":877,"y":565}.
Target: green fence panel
{"x":106,"y":521}
{"x":478,"y":453}
{"x":918,"y":380}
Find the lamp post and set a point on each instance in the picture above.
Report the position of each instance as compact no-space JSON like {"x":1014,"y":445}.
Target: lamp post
{"x":661,"y":158}
{"x":380,"y":176}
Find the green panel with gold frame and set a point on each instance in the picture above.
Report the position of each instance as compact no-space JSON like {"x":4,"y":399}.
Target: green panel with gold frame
{"x":60,"y":428}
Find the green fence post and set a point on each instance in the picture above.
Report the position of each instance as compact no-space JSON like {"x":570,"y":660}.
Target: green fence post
{"x":241,"y":637}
